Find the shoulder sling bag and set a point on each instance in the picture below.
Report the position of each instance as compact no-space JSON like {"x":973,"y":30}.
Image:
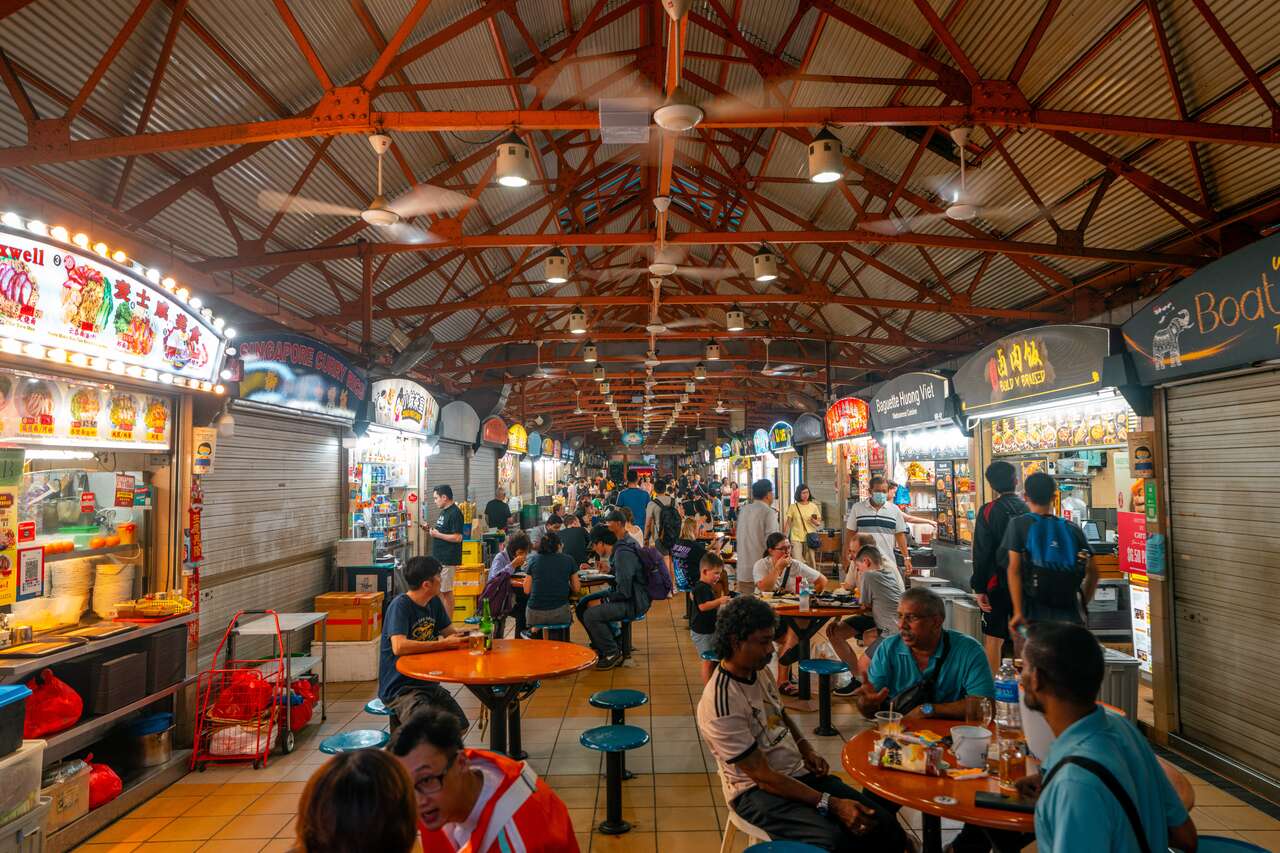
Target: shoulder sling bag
{"x":1113,"y":785}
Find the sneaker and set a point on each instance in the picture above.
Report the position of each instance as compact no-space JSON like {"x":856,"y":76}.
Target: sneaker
{"x":847,"y":690}
{"x":610,"y":662}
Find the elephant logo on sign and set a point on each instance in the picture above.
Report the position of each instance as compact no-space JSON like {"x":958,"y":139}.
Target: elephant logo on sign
{"x":1165,"y":349}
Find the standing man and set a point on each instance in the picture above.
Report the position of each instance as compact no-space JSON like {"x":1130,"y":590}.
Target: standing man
{"x":497,"y":514}
{"x":991,"y":562}
{"x":658,"y":533}
{"x":756,"y":521}
{"x":446,"y":540}
{"x":883,"y":522}
{"x":633,"y":497}
{"x":1078,"y":809}
{"x":629,"y":597}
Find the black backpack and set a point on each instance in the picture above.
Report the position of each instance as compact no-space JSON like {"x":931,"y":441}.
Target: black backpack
{"x":668,"y":523}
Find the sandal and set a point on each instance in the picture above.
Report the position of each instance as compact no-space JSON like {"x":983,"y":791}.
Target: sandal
{"x":789,"y":688}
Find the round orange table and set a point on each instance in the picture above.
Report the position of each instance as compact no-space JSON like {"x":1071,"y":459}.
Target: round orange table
{"x":791,"y":616}
{"x":919,"y":792}
{"x":497,"y":678}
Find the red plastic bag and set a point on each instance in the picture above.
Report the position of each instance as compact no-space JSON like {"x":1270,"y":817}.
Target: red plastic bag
{"x":104,"y":784}
{"x":245,"y":697}
{"x":52,"y":706}
{"x":300,"y":712}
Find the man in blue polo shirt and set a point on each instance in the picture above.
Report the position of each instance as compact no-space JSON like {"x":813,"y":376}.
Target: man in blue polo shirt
{"x":1062,"y":670}
{"x":634,"y":498}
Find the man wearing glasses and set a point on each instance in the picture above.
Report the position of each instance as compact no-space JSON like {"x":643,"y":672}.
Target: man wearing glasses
{"x":477,"y":800}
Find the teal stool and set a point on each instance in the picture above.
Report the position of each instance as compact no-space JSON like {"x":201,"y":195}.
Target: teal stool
{"x":711,"y":656}
{"x":626,"y":634}
{"x":824,"y":669}
{"x":614,"y":741}
{"x":782,"y":847}
{"x":351,"y":741}
{"x":378,"y":707}
{"x":616,"y":702}
{"x":553,"y":632}
{"x":1218,"y":844}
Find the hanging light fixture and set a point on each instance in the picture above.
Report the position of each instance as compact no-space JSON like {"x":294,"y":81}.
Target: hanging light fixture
{"x":765,"y":264}
{"x":826,"y":160}
{"x":515,"y":163}
{"x":590,"y":353}
{"x":690,"y":388}
{"x":713,"y":351}
{"x":699,"y":372}
{"x":604,"y":388}
{"x":734,"y":319}
{"x":556,"y":266}
{"x":597,"y":373}
{"x":578,"y":321}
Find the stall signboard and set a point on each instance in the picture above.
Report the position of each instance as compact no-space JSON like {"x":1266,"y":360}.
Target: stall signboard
{"x":808,"y":429}
{"x":557,"y":449}
{"x":726,"y":450}
{"x":1036,"y":366}
{"x":404,"y":405}
{"x":205,"y":444}
{"x":1223,"y":316}
{"x":11,"y":462}
{"x":52,"y":411}
{"x":295,"y":372}
{"x":517,"y":439}
{"x":910,"y":400}
{"x":54,"y":295}
{"x":780,"y":437}
{"x":847,"y":418}
{"x":760,"y":442}
{"x":1131,"y":542}
{"x":632,"y":439}
{"x":535,"y":445}
{"x":719,"y":452}
{"x":493,"y":433}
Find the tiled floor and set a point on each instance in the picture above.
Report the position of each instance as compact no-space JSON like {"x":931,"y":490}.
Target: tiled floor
{"x":674,"y":804}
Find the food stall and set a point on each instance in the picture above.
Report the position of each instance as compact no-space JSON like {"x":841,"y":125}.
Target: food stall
{"x":850,"y":449}
{"x":790,"y":465}
{"x":102,"y":364}
{"x":764,"y":465}
{"x":927,"y":456}
{"x":1204,"y":532}
{"x":491,"y":454}
{"x":454,"y":462}
{"x":384,"y":486}
{"x":809,"y":437}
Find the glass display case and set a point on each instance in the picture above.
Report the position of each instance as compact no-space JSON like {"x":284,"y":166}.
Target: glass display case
{"x":380,"y":477}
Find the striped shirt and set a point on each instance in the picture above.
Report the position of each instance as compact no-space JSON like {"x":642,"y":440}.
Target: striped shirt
{"x":736,"y":717}
{"x":882,"y":524}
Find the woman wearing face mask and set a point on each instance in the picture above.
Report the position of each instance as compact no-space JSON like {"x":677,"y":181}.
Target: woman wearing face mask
{"x":881,"y":520}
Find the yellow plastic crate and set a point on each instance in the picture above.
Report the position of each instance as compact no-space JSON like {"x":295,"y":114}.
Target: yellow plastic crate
{"x":464,"y":606}
{"x":471,"y":551}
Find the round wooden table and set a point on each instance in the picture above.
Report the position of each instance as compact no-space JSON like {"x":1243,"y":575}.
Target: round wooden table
{"x":496,"y":678}
{"x":919,"y":792}
{"x":816,"y":616}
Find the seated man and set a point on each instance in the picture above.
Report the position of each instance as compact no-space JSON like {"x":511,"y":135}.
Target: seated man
{"x":771,"y":775}
{"x":628,"y":598}
{"x":879,"y":592}
{"x":416,"y":622}
{"x":471,"y":799}
{"x":1062,"y":671}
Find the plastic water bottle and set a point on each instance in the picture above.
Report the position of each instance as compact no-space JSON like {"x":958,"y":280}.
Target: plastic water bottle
{"x":1010,"y":740}
{"x":804,"y":596}
{"x":1073,"y":508}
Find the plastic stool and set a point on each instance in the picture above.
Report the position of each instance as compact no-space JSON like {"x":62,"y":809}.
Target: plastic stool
{"x":553,"y":632}
{"x":824,"y":669}
{"x":782,"y":847}
{"x":617,"y":702}
{"x":614,"y":741}
{"x":626,"y":634}
{"x":376,"y":706}
{"x":351,"y":741}
{"x":711,"y":656}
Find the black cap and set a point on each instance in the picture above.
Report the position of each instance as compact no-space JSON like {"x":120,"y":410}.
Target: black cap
{"x":615,"y":515}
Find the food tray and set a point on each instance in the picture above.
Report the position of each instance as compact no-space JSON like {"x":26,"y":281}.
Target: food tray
{"x":41,"y":648}
{"x":101,"y":631}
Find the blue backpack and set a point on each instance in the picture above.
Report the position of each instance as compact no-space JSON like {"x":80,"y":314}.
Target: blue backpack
{"x":657,"y":580}
{"x":1055,"y":571}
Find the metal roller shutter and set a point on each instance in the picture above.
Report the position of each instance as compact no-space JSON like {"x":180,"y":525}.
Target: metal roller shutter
{"x":820,"y":477}
{"x":272,"y":510}
{"x":483,"y":476}
{"x":1223,"y":451}
{"x":447,"y":466}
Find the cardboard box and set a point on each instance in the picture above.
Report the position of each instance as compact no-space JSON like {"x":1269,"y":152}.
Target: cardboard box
{"x":353,"y":616}
{"x":69,"y":799}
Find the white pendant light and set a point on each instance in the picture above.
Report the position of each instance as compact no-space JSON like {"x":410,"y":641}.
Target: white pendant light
{"x":556,"y":267}
{"x":678,"y":113}
{"x":690,"y":388}
{"x":826,"y":160}
{"x":604,"y":388}
{"x":515,"y":163}
{"x":597,"y":373}
{"x":765,"y":265}
{"x":590,"y":353}
{"x":713,"y":351}
{"x":578,"y":321}
{"x":734,"y":319}
{"x":699,"y":373}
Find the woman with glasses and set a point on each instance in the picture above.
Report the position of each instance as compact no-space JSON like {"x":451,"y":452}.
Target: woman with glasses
{"x":777,"y":572}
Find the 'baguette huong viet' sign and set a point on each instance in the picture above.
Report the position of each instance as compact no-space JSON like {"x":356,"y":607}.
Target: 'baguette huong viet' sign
{"x":1035,"y":366}
{"x":1225,"y":315}
{"x":913,"y":399}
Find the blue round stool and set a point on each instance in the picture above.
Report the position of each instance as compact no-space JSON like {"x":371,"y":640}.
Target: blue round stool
{"x":782,"y":847}
{"x":626,"y":634}
{"x":1218,"y":844}
{"x":614,"y":741}
{"x":351,"y":741}
{"x":376,"y":706}
{"x":824,"y":669}
{"x":553,"y":632}
{"x":711,"y":656}
{"x":617,"y":702}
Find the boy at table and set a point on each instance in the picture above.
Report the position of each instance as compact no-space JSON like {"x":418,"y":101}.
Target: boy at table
{"x":416,"y":623}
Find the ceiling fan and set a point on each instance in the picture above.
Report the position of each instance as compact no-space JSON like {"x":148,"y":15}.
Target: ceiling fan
{"x":778,"y":369}
{"x":545,"y":372}
{"x":390,"y":216}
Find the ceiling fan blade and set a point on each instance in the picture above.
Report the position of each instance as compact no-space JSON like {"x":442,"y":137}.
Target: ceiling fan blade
{"x":900,"y":224}
{"x":685,"y":323}
{"x":612,"y":273}
{"x":403,"y":232}
{"x":709,"y":273}
{"x":426,"y":199}
{"x":272,"y":200}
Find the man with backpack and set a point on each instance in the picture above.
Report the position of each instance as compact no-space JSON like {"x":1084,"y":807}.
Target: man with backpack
{"x":662,"y":521}
{"x":1100,"y":786}
{"x":628,"y":598}
{"x":991,"y":562}
{"x":1051,"y":572}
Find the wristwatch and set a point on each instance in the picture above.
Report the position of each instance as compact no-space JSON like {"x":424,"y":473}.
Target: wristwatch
{"x":926,"y":709}
{"x":824,"y":804}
